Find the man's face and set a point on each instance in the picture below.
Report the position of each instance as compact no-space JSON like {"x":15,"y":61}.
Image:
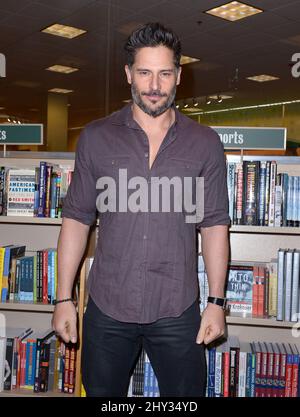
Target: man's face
{"x":153,"y":78}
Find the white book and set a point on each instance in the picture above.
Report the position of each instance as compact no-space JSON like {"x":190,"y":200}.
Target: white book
{"x":2,"y":361}
{"x":278,"y":205}
{"x":242,"y":373}
{"x":280,"y":284}
{"x":218,"y":372}
{"x":20,"y":192}
{"x":230,"y":186}
{"x":288,"y":273}
{"x":295,"y":287}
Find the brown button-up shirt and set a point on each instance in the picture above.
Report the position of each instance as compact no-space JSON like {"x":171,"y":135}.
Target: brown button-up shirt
{"x":145,"y":264}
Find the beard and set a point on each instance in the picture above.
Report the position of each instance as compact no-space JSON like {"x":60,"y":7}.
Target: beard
{"x":137,"y":98}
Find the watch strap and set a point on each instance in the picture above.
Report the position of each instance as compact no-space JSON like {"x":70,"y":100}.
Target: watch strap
{"x":218,"y":301}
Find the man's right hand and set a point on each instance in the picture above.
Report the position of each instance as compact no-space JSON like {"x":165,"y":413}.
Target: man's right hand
{"x":64,"y":321}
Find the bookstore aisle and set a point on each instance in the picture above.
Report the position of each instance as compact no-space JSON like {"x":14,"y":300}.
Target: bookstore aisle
{"x":259,"y":356}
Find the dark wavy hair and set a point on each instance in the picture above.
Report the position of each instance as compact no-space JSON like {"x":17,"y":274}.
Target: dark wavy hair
{"x":152,"y":34}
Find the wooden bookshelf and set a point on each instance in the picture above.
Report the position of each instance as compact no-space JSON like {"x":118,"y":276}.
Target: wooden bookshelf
{"x":23,"y":392}
{"x":30,"y":220}
{"x":260,"y":322}
{"x":265,"y":230}
{"x":27,"y":306}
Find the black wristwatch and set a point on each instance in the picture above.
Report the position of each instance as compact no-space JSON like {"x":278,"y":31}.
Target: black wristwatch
{"x":218,"y":301}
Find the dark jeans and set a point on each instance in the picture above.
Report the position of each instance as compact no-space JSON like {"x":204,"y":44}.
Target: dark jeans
{"x":111,"y":348}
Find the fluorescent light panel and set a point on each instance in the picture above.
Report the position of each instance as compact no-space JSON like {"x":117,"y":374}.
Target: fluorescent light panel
{"x":216,"y":97}
{"x":233,"y":11}
{"x":60,"y":90}
{"x":262,"y":78}
{"x":62,"y":69}
{"x":191,"y":109}
{"x":187,"y":59}
{"x":249,"y":107}
{"x":64,"y":31}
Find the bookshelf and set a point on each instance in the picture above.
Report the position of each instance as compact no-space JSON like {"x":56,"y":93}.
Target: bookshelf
{"x":247,"y":243}
{"x":261,"y":243}
{"x":37,"y":233}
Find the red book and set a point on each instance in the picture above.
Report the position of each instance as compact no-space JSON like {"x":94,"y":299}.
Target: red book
{"x":270,"y":370}
{"x":261,"y":291}
{"x":283,"y":358}
{"x":288,"y":370}
{"x":23,"y":362}
{"x":295,"y":370}
{"x":226,"y":369}
{"x":263,"y":369}
{"x":256,"y":349}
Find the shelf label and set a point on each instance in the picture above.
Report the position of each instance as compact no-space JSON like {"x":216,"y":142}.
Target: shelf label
{"x":24,"y":134}
{"x":252,"y":137}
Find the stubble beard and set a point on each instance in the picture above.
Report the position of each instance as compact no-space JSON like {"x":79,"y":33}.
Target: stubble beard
{"x":137,"y":98}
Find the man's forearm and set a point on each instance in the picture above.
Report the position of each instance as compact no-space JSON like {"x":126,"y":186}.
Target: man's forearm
{"x":215,"y":250}
{"x":70,"y":249}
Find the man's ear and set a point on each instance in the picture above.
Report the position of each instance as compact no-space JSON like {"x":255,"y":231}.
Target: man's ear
{"x":128,"y":74}
{"x":178,"y":75}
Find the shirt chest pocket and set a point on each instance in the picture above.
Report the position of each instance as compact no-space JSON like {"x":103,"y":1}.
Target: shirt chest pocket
{"x":114,"y":166}
{"x":180,"y":167}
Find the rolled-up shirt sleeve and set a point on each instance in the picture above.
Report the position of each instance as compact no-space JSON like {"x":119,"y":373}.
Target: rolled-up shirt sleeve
{"x":215,"y":185}
{"x":80,"y":201}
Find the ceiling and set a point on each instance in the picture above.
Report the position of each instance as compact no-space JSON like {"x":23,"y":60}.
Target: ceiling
{"x":261,"y":44}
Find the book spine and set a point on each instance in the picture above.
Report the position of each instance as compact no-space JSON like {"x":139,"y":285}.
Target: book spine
{"x":42,"y":189}
{"x":239,"y":194}
{"x":267,"y":193}
{"x":272,"y":193}
{"x":295,"y":286}
{"x":288,"y":271}
{"x":280,"y":284}
{"x":262,"y":193}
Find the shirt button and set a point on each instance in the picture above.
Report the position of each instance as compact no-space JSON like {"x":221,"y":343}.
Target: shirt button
{"x":146,"y":154}
{"x":145,"y":237}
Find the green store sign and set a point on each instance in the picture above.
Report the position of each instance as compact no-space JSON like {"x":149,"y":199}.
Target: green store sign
{"x":25,"y":134}
{"x":252,"y":137}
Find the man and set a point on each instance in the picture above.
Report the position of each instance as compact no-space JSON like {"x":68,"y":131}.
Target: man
{"x":143,"y":288}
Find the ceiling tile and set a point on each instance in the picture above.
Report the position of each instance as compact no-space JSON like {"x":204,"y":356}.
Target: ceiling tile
{"x":14,"y":5}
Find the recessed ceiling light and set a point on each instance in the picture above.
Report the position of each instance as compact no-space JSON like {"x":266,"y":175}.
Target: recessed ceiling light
{"x":187,"y":59}
{"x":2,"y":108}
{"x":60,"y":90}
{"x":127,"y":101}
{"x":233,"y":11}
{"x":69,"y":32}
{"x":262,"y":78}
{"x":62,"y":68}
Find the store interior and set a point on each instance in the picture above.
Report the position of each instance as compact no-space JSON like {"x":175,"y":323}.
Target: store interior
{"x":228,"y":48}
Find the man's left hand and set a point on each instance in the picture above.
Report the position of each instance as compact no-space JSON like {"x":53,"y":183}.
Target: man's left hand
{"x":212,"y":324}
